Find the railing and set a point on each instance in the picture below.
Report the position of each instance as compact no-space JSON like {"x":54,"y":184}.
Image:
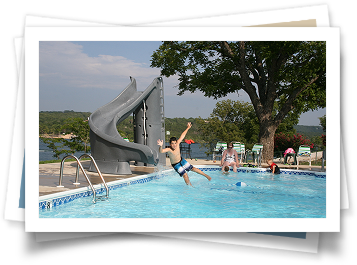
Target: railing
{"x":98,"y":171}
{"x":79,"y":165}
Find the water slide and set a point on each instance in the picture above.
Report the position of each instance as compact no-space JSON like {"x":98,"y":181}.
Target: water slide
{"x":111,"y":152}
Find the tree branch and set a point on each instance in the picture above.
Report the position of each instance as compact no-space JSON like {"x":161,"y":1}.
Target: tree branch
{"x":226,"y":50}
{"x":248,"y":87}
{"x":288,"y":106}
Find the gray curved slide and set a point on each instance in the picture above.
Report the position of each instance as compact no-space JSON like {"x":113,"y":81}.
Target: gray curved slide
{"x":110,"y":151}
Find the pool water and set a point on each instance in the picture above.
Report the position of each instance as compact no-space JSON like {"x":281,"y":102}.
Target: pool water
{"x":264,"y":196}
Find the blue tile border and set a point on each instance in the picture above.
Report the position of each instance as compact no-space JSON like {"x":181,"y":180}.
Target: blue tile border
{"x":263,"y":170}
{"x":57,"y":199}
{"x":61,"y":198}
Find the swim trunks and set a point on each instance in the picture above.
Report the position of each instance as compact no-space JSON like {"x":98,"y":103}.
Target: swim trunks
{"x":182,"y":167}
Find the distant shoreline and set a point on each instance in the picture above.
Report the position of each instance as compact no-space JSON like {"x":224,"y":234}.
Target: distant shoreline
{"x":63,"y":136}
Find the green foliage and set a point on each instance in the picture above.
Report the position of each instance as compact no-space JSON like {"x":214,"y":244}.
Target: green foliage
{"x":50,"y":122}
{"x":309,"y":131}
{"x":79,"y":128}
{"x":174,"y":125}
{"x":277,"y":68}
{"x":57,"y":145}
{"x":230,"y":121}
{"x":323,"y":139}
{"x":284,"y":141}
{"x":126,"y":128}
{"x":323,"y":122}
{"x":177,"y":125}
{"x":281,"y":78}
{"x":288,"y":123}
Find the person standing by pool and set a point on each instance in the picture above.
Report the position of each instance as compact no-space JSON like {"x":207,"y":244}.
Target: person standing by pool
{"x":230,"y":158}
{"x":178,"y":163}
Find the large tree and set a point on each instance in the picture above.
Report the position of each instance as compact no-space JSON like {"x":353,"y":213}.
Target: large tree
{"x":279,"y":77}
{"x":230,"y":121}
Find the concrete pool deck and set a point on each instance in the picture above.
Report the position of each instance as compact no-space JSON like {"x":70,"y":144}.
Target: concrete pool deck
{"x":49,"y":174}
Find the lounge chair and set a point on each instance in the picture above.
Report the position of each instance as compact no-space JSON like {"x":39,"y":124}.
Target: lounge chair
{"x":185,"y":150}
{"x":242,"y":152}
{"x":304,"y":151}
{"x":256,"y":153}
{"x":217,"y":152}
{"x":240,"y":148}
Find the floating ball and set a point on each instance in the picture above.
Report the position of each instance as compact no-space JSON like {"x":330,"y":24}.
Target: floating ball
{"x":241,"y":184}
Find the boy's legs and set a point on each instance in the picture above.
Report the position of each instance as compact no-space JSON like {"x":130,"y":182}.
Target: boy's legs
{"x":200,"y":172}
{"x":187,"y":180}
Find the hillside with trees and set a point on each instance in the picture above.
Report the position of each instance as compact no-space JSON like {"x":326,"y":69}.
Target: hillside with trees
{"x":309,"y":131}
{"x":229,"y":121}
{"x":51,"y":122}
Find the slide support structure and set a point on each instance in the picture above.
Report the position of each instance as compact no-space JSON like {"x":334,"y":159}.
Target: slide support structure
{"x":111,"y":152}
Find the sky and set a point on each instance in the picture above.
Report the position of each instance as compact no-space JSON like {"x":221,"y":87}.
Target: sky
{"x":83,"y":76}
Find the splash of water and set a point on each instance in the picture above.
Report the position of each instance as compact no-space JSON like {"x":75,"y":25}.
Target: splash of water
{"x":161,"y":167}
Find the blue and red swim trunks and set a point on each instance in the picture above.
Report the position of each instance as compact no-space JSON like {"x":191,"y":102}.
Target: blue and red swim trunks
{"x":182,"y":167}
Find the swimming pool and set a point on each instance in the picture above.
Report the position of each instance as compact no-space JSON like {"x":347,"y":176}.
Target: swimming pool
{"x":292,"y":194}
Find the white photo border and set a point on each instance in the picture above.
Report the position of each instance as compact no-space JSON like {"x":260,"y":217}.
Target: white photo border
{"x":36,"y":34}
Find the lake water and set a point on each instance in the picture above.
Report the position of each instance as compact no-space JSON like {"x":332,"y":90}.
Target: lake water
{"x":196,"y":152}
{"x":47,"y":154}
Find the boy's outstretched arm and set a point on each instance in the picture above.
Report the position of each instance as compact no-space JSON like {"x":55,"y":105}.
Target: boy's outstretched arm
{"x":189,"y":125}
{"x":160,"y":143}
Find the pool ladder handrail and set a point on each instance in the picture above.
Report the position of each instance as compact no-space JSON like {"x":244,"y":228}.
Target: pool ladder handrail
{"x":98,"y":171}
{"x":79,"y":165}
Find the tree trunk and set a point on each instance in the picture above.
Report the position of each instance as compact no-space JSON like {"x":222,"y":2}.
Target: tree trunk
{"x":266,"y":137}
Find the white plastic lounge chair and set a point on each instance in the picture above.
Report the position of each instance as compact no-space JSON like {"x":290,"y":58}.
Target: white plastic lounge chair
{"x":304,"y":151}
{"x":242,"y":152}
{"x":256,"y":151}
{"x":240,"y":148}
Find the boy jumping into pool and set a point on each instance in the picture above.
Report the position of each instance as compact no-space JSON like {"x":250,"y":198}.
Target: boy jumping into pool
{"x":178,"y":163}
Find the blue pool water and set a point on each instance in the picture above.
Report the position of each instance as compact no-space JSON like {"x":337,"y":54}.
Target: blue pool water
{"x":264,"y":196}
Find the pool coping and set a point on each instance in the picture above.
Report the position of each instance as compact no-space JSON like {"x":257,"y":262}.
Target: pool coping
{"x":59,"y":198}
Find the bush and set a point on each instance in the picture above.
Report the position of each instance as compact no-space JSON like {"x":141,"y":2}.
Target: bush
{"x":323,"y":137}
{"x":284,"y":141}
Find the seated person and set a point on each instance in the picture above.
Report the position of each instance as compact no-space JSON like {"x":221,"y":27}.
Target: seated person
{"x":230,"y":158}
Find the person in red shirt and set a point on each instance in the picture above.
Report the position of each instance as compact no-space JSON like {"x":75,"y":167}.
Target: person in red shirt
{"x":274,"y":167}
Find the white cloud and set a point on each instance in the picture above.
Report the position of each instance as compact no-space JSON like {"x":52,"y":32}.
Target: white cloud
{"x":65,"y":62}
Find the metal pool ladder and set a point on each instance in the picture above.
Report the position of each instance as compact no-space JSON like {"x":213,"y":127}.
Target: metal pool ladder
{"x":79,"y":165}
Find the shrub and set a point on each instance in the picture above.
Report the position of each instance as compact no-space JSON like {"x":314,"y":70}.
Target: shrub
{"x":323,"y":137}
{"x":284,"y":141}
